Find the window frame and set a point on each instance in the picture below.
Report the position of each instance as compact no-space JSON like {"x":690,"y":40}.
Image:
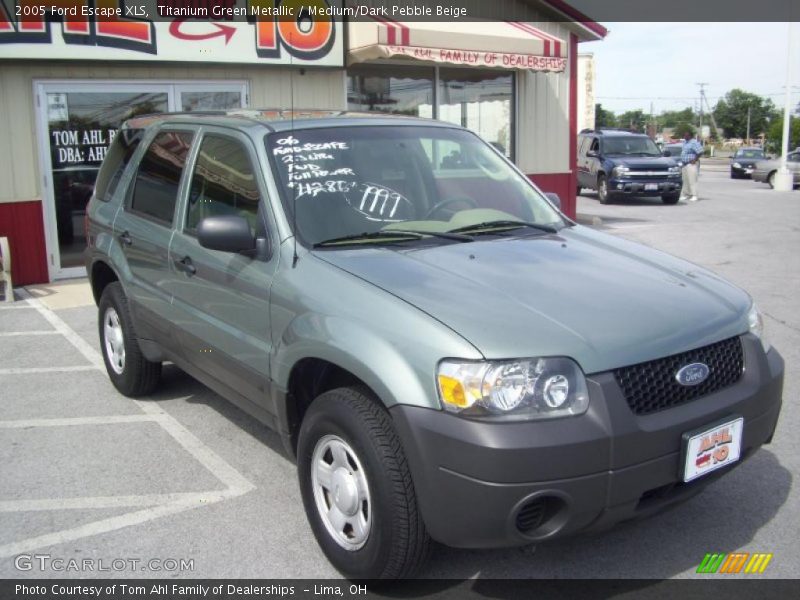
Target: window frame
{"x":146,"y":143}
{"x":247,"y":144}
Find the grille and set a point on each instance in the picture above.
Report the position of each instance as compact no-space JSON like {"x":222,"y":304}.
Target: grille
{"x":651,"y":386}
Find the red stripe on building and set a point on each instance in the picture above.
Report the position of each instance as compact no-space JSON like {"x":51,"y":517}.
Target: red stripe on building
{"x":405,"y":34}
{"x":534,"y":32}
{"x":22,"y":224}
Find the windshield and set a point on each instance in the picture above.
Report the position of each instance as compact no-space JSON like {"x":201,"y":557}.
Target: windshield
{"x":749,"y":154}
{"x":674,"y":150}
{"x":630,"y":146}
{"x":351,"y":181}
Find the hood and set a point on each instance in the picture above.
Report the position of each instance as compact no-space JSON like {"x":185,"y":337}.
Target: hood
{"x":643,"y":162}
{"x":747,"y":161}
{"x":600,"y":300}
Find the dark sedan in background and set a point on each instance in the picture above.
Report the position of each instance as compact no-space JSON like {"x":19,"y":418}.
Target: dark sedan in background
{"x":744,"y":161}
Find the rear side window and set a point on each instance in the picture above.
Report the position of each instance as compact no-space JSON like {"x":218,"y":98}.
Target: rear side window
{"x":223,"y":182}
{"x":117,"y":158}
{"x":159,"y":175}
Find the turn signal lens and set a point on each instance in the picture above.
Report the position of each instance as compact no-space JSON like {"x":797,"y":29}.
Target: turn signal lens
{"x":452,"y":391}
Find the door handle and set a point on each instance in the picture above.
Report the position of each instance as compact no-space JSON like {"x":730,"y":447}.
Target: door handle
{"x":186,"y":265}
{"x":126,"y":238}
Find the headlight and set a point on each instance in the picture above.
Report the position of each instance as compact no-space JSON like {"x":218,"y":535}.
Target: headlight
{"x":737,"y":165}
{"x":619,"y":171}
{"x":519,"y":390}
{"x":674,"y":170}
{"x":756,"y":324}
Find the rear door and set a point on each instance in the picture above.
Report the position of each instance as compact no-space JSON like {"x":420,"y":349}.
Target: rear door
{"x":222,"y":298}
{"x":144,"y":229}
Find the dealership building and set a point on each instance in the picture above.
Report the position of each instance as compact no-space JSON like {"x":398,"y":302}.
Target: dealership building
{"x":66,"y":86}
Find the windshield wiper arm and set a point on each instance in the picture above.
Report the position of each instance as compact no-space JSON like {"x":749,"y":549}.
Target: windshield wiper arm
{"x":500,"y":224}
{"x":394,"y":234}
{"x":375,"y":235}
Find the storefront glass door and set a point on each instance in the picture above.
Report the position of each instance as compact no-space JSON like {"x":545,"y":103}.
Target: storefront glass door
{"x":77,"y":122}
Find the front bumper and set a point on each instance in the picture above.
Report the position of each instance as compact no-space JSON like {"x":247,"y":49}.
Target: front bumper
{"x":743,"y":171}
{"x":483,"y":485}
{"x":639,"y":187}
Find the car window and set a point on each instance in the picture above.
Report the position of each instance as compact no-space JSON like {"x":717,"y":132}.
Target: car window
{"x":117,"y":158}
{"x":630,"y":146}
{"x":223,"y":182}
{"x":344,"y":181}
{"x":794,"y":157}
{"x":158,"y":178}
{"x":595,"y":147}
{"x":749,"y":154}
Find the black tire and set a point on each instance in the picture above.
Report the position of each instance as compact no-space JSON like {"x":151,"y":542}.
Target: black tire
{"x":771,"y":180}
{"x":138,"y":376}
{"x":602,"y":190}
{"x":734,"y":175}
{"x":397,"y":543}
{"x":670,"y":198}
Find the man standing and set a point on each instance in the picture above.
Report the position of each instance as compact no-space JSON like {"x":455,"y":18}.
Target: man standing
{"x":690,"y":154}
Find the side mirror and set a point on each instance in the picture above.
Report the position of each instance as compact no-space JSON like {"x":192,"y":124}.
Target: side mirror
{"x":226,"y":233}
{"x":554,"y":199}
{"x":592,"y":154}
{"x":666,"y":153}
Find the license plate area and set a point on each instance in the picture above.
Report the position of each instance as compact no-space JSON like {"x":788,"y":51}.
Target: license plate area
{"x":712,"y":447}
{"x":650,"y":187}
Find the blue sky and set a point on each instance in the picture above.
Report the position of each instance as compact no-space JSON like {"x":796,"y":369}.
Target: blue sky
{"x":662,"y":62}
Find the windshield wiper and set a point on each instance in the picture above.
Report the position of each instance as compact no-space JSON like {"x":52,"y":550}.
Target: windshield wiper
{"x":375,"y":235}
{"x":392,"y":235}
{"x":501,"y":224}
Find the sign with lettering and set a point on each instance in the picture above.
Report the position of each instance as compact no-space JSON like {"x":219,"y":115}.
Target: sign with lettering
{"x":223,"y":31}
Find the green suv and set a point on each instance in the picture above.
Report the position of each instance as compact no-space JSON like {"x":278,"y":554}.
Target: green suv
{"x":445,"y":354}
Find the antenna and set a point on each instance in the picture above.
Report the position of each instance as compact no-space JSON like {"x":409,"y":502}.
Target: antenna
{"x":291,"y":133}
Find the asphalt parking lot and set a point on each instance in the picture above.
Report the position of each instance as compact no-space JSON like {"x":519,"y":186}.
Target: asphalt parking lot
{"x":185,"y":479}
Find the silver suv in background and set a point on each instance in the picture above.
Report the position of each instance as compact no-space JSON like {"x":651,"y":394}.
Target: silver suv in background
{"x":445,"y":354}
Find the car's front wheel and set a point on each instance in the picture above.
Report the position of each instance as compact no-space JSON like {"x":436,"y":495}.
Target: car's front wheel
{"x":602,"y":190}
{"x":670,"y":198}
{"x":357,"y":488}
{"x":771,"y":180}
{"x":130,"y":372}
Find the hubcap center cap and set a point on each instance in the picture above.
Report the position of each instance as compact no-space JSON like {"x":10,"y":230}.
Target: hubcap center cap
{"x":345,"y":491}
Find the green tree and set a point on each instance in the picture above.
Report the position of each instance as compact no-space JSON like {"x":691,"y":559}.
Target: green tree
{"x":731,"y":113}
{"x":682,"y":128}
{"x":634,"y":120}
{"x":775,"y":134}
{"x":603,"y":117}
{"x":677,"y":118}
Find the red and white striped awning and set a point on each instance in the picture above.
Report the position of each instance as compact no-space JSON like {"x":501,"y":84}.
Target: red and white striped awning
{"x":497,"y":44}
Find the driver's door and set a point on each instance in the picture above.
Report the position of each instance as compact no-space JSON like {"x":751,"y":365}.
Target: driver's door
{"x":222,"y":298}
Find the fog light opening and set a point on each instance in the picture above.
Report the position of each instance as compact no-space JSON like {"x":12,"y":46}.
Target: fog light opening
{"x":541,"y":516}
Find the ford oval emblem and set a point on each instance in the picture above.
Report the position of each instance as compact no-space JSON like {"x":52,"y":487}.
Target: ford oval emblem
{"x":693,"y":374}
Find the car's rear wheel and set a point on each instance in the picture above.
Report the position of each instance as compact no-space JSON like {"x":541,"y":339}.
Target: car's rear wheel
{"x":357,"y":488}
{"x":130,"y":372}
{"x":602,"y":190}
{"x":670,"y":198}
{"x":771,"y":180}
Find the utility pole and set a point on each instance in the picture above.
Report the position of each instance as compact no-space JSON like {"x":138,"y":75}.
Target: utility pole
{"x":748,"y":125}
{"x":702,"y":96}
{"x":782,"y":180}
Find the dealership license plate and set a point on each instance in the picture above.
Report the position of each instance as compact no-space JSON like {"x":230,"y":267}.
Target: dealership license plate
{"x":650,"y":187}
{"x":710,"y":449}
{"x":749,"y":171}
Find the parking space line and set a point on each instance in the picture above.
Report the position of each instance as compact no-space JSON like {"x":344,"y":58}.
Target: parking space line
{"x":27,"y":370}
{"x":20,"y":333}
{"x":96,"y":502}
{"x":15,"y":307}
{"x":164,"y":504}
{"x":22,"y":423}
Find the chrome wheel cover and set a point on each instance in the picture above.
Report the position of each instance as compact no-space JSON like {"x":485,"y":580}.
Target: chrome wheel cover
{"x":341,"y":492}
{"x":114,"y":340}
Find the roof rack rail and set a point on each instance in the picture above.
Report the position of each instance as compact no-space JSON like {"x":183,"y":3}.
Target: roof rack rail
{"x":601,"y":130}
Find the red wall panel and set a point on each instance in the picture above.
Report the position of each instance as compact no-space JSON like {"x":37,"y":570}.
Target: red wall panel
{"x":21,"y":223}
{"x":561,"y":184}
